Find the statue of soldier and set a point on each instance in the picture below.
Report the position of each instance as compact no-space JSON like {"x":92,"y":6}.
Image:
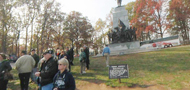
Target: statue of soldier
{"x":109,"y":36}
{"x":119,"y":2}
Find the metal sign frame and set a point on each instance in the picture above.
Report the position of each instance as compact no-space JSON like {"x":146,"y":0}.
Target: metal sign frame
{"x":122,"y":71}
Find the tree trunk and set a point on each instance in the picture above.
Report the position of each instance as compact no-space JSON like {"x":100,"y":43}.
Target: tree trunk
{"x":2,"y":40}
{"x":37,"y":42}
{"x":161,"y":33}
{"x":31,"y":37}
{"x":16,"y":48}
{"x":43,"y":28}
{"x":12,"y":51}
{"x":26,"y":38}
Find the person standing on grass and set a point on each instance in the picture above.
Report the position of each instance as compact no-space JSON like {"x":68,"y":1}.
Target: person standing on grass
{"x":63,"y":80}
{"x":4,"y":67}
{"x":68,"y":53}
{"x":36,"y":58}
{"x":86,"y":50}
{"x":82,"y":59}
{"x":47,"y":71}
{"x":24,"y":65}
{"x":72,"y":55}
{"x":106,"y":53}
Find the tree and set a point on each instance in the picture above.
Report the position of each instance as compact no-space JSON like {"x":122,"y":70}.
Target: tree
{"x":150,"y":17}
{"x":46,"y":24}
{"x":179,"y":17}
{"x":100,"y":27}
{"x":6,"y":7}
{"x":130,"y":8}
{"x":57,"y":20}
{"x":109,"y":20}
{"x":78,"y":29}
{"x":42,"y":25}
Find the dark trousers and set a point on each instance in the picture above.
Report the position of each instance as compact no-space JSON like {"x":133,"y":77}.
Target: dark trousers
{"x":24,"y":80}
{"x":87,"y":63}
{"x":87,"y":66}
{"x":70,"y":67}
{"x":72,"y":61}
{"x":3,"y":84}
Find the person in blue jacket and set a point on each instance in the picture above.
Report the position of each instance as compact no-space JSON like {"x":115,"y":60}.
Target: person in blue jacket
{"x":63,"y":80}
{"x":106,"y":53}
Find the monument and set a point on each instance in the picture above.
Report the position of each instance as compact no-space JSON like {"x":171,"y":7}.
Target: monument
{"x":121,"y":31}
{"x":122,"y":37}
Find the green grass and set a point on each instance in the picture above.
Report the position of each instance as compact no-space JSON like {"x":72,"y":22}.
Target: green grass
{"x":167,"y":67}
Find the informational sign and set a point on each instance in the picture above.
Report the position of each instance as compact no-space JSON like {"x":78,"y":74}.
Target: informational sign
{"x":118,"y":71}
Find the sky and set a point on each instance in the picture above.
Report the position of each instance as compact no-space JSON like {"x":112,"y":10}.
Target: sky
{"x":93,"y":9}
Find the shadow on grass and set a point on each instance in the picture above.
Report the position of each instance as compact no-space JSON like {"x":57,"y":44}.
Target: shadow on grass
{"x":132,"y":85}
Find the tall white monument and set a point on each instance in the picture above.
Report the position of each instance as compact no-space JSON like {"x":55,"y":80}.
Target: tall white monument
{"x":120,"y":13}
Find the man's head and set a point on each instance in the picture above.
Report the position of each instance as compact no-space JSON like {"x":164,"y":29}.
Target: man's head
{"x":62,"y":52}
{"x":48,"y":54}
{"x":84,"y":47}
{"x":67,"y":48}
{"x":33,"y":51}
{"x":23,"y":52}
{"x":106,"y":45}
{"x":81,"y":49}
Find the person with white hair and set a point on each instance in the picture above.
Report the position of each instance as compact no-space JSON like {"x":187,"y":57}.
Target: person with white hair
{"x":63,"y":80}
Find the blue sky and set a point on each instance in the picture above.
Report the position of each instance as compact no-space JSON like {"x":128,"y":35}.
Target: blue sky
{"x":93,"y":9}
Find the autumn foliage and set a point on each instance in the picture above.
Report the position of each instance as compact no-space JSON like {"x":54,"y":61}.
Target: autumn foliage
{"x":149,"y":18}
{"x":179,"y":17}
{"x":154,"y":18}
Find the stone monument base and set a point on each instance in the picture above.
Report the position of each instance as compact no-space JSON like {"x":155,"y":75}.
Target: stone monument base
{"x":124,"y":46}
{"x":127,"y":48}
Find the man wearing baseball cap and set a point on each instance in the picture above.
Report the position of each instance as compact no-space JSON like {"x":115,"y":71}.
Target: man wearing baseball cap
{"x":48,"y":70}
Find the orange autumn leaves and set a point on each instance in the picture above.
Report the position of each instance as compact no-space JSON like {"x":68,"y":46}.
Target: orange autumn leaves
{"x":158,"y":16}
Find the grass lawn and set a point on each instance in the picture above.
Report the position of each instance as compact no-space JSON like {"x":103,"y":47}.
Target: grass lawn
{"x":169,"y":68}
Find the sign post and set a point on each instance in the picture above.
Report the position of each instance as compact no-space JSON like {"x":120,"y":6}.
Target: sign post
{"x":119,"y":80}
{"x":118,"y":72}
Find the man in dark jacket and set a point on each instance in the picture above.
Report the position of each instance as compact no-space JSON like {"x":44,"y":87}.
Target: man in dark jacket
{"x":68,"y":58}
{"x":86,"y":50}
{"x":4,"y":68}
{"x":48,"y":70}
{"x":36,"y":58}
{"x":72,"y":55}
